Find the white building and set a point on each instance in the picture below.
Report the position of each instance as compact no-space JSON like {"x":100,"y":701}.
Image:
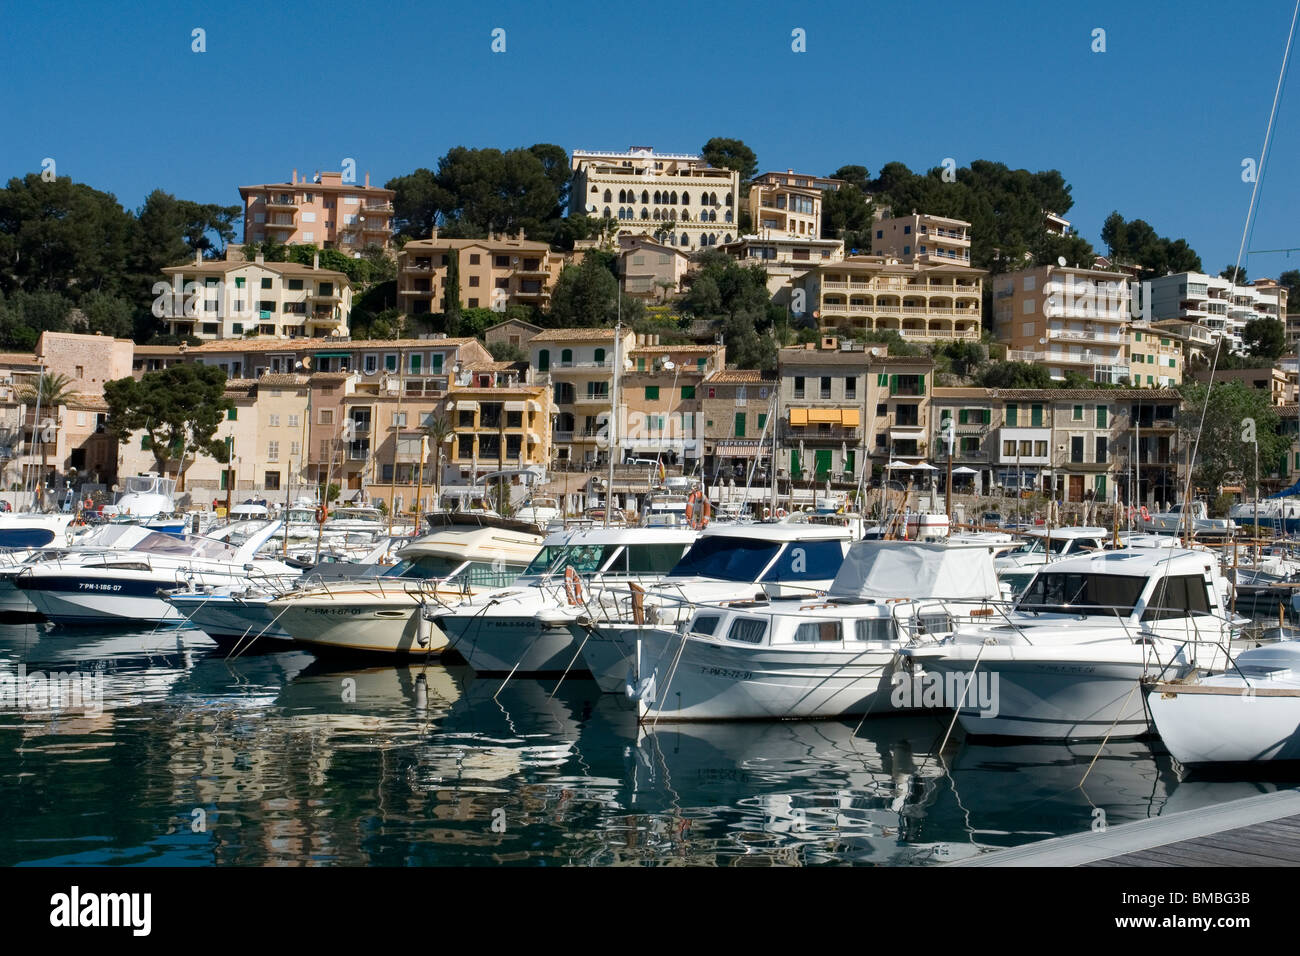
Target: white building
{"x":1216,"y":303}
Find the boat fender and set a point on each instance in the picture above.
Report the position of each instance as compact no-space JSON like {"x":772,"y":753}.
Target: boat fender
{"x":643,"y":690}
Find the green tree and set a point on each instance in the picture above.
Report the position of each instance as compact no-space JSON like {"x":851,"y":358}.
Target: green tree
{"x":587,"y":295}
{"x":735,"y":300}
{"x":1220,"y":450}
{"x":847,"y":214}
{"x":731,"y":154}
{"x":1015,"y":375}
{"x":1264,"y":337}
{"x":178,"y":408}
{"x":854,"y":176}
{"x":439,"y":429}
{"x":417,"y":202}
{"x":108,"y":315}
{"x":1137,"y":243}
{"x":505,"y":352}
{"x":1234,"y":273}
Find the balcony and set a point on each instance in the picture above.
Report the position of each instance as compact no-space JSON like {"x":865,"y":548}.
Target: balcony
{"x":281,"y":202}
{"x":600,"y":398}
{"x":814,"y":433}
{"x":377,"y":208}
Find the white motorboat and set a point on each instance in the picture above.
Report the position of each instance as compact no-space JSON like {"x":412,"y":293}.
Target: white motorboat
{"x":728,"y":562}
{"x":466,"y":555}
{"x":813,"y":658}
{"x":1181,"y":518}
{"x":23,"y":530}
{"x":1250,"y":713}
{"x":1068,"y":659}
{"x":102,"y":538}
{"x":144,"y":496}
{"x":1044,"y":545}
{"x":525,"y":628}
{"x":122,"y":587}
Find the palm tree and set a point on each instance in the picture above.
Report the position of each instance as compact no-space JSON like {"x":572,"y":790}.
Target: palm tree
{"x":53,"y":391}
{"x":438,"y":429}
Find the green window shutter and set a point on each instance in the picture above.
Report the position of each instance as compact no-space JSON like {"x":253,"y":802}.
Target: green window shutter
{"x":1137,"y":336}
{"x":762,"y":421}
{"x":961,"y":417}
{"x":688,"y":391}
{"x":882,"y":380}
{"x":1013,"y":411}
{"x":794,"y":464}
{"x":145,"y":443}
{"x":232,"y":414}
{"x":652,"y":393}
{"x":1101,"y":487}
{"x":600,"y":355}
{"x":1101,"y":416}
{"x":544,"y":360}
{"x":893,"y":385}
{"x":701,"y":364}
{"x":850,"y":461}
{"x":225,"y":477}
{"x":1036,"y":416}
{"x":988,"y":416}
{"x":640,"y":365}
{"x":822,"y":463}
{"x":920,"y":380}
{"x":740,"y":424}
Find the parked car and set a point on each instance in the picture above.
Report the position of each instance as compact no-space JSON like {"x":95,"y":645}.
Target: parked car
{"x":992,"y":519}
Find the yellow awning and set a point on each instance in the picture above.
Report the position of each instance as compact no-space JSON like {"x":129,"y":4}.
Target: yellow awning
{"x":798,"y":416}
{"x":849,"y":417}
{"x":829,"y":416}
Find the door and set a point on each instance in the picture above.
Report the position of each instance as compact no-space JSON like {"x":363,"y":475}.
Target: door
{"x":1076,"y":488}
{"x":822,"y":463}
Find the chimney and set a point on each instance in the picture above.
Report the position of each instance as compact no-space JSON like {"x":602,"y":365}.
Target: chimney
{"x":295,"y":177}
{"x":260,"y":259}
{"x":367,"y":179}
{"x":198,"y":257}
{"x":315,"y":260}
{"x":434,"y":233}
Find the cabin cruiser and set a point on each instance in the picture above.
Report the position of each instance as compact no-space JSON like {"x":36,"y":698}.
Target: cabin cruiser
{"x":541,"y":510}
{"x":812,"y":657}
{"x":32,"y":529}
{"x":525,"y":628}
{"x":1249,"y":713}
{"x":144,"y":496}
{"x":1043,"y":545}
{"x":466,"y":555}
{"x":728,"y":562}
{"x":1281,"y":512}
{"x":1178,"y":518}
{"x":122,"y":586}
{"x":103,"y":538}
{"x":1068,"y":657}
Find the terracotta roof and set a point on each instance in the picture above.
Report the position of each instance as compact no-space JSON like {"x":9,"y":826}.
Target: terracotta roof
{"x":157,"y":350}
{"x":278,"y":379}
{"x":324,"y":344}
{"x":331,"y":377}
{"x":432,"y":245}
{"x":740,"y":376}
{"x":693,"y":349}
{"x":1069,"y":394}
{"x":575,"y":335}
{"x":91,"y":402}
{"x":222,"y":266}
{"x":530,"y":325}
{"x":17,"y":358}
{"x":241,"y":384}
{"x":490,"y":366}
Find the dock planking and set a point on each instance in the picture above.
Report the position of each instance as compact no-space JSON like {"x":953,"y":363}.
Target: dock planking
{"x":1263,"y":830}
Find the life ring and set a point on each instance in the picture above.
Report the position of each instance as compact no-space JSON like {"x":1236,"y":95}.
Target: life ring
{"x":1146,"y":515}
{"x":88,"y":505}
{"x":698,"y":509}
{"x":780,"y":512}
{"x":320,"y":514}
{"x":572,"y":585}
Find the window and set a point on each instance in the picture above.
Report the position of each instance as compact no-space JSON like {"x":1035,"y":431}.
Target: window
{"x":232,"y":414}
{"x":807,"y":561}
{"x":275,"y":421}
{"x":705,"y":625}
{"x":851,"y":387}
{"x":826,"y":386}
{"x":1182,"y":595}
{"x":1076,"y":448}
{"x":740,"y":425}
{"x":327,"y":416}
{"x":1101,"y":449}
{"x":1078,"y":413}
{"x":273,"y":451}
{"x":688,"y":392}
{"x":1082,"y":594}
{"x":399,"y":419}
{"x":566,"y":356}
{"x":812,"y":631}
{"x":1102,"y":414}
{"x":295,"y":285}
{"x":416,"y":362}
{"x":798,"y":386}
{"x":266,"y":283}
{"x":473,"y":258}
{"x":652,"y":393}
{"x":748,"y":630}
{"x":599,"y":356}
{"x":1013,"y":413}
{"x":272,"y":482}
{"x":370,"y":363}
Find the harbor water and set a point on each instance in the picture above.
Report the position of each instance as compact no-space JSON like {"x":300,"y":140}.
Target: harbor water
{"x":150,"y":747}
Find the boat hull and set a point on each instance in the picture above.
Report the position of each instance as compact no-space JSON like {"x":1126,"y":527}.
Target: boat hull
{"x":502,"y":645}
{"x":1227,"y":728}
{"x":392,"y":625}
{"x":712,"y":681}
{"x":228,"y":620}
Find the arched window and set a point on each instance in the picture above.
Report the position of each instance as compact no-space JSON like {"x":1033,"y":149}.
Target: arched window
{"x":674,"y":199}
{"x":728,"y":216}
{"x":645,"y":197}
{"x":713,"y":199}
{"x":657,"y":200}
{"x":609,"y":196}
{"x":713,"y":215}
{"x":726,"y":238}
{"x":622,"y":195}
{"x":566,"y":357}
{"x":686,"y":199}
{"x":656,"y":214}
{"x":645,"y":213}
{"x":672,"y":214}
{"x":606,"y":212}
{"x":729,"y":202}
{"x":593,"y":188}
{"x":684,"y":241}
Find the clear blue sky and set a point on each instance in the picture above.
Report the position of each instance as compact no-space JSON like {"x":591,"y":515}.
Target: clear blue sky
{"x":1156,"y":127}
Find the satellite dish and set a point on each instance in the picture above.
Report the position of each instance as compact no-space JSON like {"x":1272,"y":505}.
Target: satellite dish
{"x":591,"y":207}
{"x":667,"y":364}
{"x":1060,"y":260}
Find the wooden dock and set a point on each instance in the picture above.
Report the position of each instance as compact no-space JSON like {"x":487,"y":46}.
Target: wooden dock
{"x":1254,"y":831}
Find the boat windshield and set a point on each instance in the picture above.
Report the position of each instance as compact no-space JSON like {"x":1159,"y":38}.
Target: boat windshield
{"x":1060,"y":592}
{"x":544,"y":559}
{"x":727,"y":559}
{"x":1039,"y":546}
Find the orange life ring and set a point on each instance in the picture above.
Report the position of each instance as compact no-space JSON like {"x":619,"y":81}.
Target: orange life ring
{"x":572,"y":585}
{"x":1146,"y":515}
{"x":320,"y":515}
{"x":780,"y":512}
{"x":698,"y":509}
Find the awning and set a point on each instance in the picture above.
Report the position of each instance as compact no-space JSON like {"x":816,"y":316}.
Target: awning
{"x":514,"y":406}
{"x":331,"y":355}
{"x":907,"y":434}
{"x":732,"y":449}
{"x":533,"y":406}
{"x":798,"y":416}
{"x":963,"y":470}
{"x":466,"y":405}
{"x":904,"y":466}
{"x":849,"y":417}
{"x":823,"y":416}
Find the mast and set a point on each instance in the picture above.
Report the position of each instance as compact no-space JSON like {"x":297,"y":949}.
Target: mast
{"x":613,"y":409}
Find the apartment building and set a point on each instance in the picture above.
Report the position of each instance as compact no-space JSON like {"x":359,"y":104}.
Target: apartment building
{"x":1067,"y":319}
{"x":787,"y":262}
{"x":922,"y":238}
{"x":737,"y":412}
{"x":922,"y":303}
{"x":233,"y":298}
{"x":1197,"y":341}
{"x":788,"y":205}
{"x":514,"y":332}
{"x":323,"y":211}
{"x":578,"y":367}
{"x":1217,"y":303}
{"x":420,"y":363}
{"x":642,"y":190}
{"x":650,"y":270}
{"x":823,"y":391}
{"x":660,"y":400}
{"x":1278,"y":382}
{"x":492,"y":273}
{"x":1155,"y":357}
{"x":898,"y":414}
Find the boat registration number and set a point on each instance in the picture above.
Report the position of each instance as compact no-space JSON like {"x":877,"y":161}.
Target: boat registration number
{"x":727,"y":673}
{"x":90,"y":586}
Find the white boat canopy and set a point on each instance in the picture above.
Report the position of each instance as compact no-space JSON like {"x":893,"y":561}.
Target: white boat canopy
{"x":878,"y":570}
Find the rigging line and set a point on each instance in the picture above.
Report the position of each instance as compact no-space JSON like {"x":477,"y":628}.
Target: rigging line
{"x":1245,"y":231}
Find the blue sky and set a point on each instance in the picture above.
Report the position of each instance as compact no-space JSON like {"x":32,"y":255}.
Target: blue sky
{"x":1156,"y":126}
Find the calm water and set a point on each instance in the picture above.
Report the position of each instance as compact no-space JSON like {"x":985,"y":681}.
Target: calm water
{"x":285,"y":759}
